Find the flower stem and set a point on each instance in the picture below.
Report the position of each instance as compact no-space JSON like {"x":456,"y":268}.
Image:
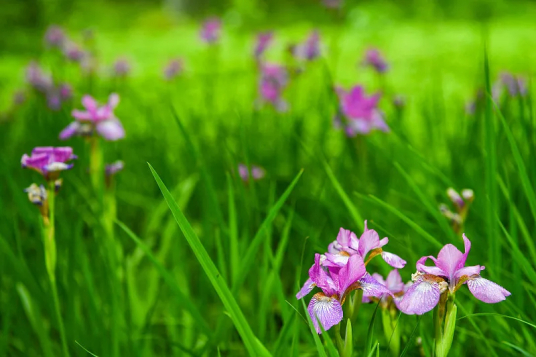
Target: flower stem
{"x":50,"y":261}
{"x":445,"y":323}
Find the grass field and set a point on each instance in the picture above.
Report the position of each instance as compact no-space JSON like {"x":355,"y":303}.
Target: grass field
{"x":178,"y":255}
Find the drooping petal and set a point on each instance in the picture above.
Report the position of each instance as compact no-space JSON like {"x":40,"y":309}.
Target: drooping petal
{"x":393,"y":260}
{"x":351,"y":272}
{"x":449,"y":259}
{"x":306,"y":289}
{"x":339,"y":260}
{"x":487,"y":291}
{"x":321,"y":278}
{"x":327,"y":309}
{"x":379,"y":279}
{"x":372,"y":288}
{"x":111,"y":129}
{"x":433,"y":270}
{"x":420,"y":298}
{"x":70,"y":130}
{"x":468,"y":272}
{"x":394,"y":281}
{"x":57,"y":166}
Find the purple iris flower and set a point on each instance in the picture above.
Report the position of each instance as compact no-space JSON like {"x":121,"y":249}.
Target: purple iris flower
{"x":347,"y":244}
{"x":99,"y":119}
{"x":263,"y":41}
{"x":374,"y":59}
{"x":361,"y":112}
{"x":173,"y":68}
{"x":114,"y":167}
{"x":55,"y":36}
{"x":336,"y":283}
{"x":211,"y":30}
{"x":121,"y":67}
{"x":49,"y":161}
{"x":447,"y":275}
{"x":65,"y":91}
{"x":516,"y":85}
{"x":257,"y":172}
{"x":310,"y":49}
{"x":273,"y":80}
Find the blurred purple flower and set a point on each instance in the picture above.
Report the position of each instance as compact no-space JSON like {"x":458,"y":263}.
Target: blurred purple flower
{"x":55,"y":36}
{"x":173,"y":68}
{"x":49,"y":161}
{"x":447,"y":275}
{"x":65,"y":91}
{"x":361,"y":112}
{"x":308,"y":50}
{"x":332,"y":4}
{"x":95,"y":119}
{"x":37,"y":78}
{"x":393,"y":283}
{"x":73,"y":52}
{"x":211,"y":30}
{"x":19,"y":97}
{"x":256,"y":172}
{"x":114,"y":167}
{"x":273,"y":80}
{"x":374,"y":59}
{"x":516,"y":85}
{"x":121,"y":67}
{"x":263,"y":41}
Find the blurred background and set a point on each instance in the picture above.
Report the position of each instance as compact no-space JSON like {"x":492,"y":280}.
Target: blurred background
{"x":196,"y":125}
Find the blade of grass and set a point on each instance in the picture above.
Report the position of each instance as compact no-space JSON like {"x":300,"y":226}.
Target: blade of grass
{"x":249,"y":257}
{"x":168,"y":278}
{"x":253,"y":345}
{"x":318,"y":343}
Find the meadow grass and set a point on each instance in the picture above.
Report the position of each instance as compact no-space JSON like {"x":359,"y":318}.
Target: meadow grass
{"x":198,"y":262}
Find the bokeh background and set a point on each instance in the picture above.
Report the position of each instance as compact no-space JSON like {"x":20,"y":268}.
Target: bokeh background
{"x":196,"y":129}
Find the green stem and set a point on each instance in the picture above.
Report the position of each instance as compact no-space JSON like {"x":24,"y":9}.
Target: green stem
{"x":445,"y":323}
{"x":50,"y":260}
{"x":338,"y":338}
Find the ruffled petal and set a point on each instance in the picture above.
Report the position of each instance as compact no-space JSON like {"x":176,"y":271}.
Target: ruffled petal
{"x":111,"y":129}
{"x":372,"y":288}
{"x":326,"y":309}
{"x":393,"y":260}
{"x":420,"y":298}
{"x":487,"y":291}
{"x":350,"y":273}
{"x":468,"y":271}
{"x":369,"y":240}
{"x":306,"y":289}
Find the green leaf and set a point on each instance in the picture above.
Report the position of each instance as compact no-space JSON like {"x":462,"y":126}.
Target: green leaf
{"x":254,"y":347}
{"x":348,"y":340}
{"x":318,"y":343}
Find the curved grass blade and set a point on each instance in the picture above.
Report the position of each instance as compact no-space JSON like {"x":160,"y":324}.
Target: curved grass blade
{"x":249,"y":257}
{"x":406,"y":219}
{"x":252,"y":344}
{"x":498,"y":315}
{"x":410,"y":339}
{"x":168,"y":278}
{"x":318,"y":343}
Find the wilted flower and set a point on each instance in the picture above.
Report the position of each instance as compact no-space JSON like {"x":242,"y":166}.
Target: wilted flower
{"x":36,"y":194}
{"x":257,"y":172}
{"x":121,"y":67}
{"x":49,"y":161}
{"x":173,"y":68}
{"x":211,"y":30}
{"x":374,"y":59}
{"x":114,"y":167}
{"x":308,"y":50}
{"x":263,"y":41}
{"x":447,"y":275}
{"x":273,"y":80}
{"x":461,"y":203}
{"x":361,"y":112}
{"x":99,"y":119}
{"x":55,"y":36}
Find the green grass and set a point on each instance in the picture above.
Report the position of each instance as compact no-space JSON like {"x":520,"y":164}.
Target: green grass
{"x":199,"y":262}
